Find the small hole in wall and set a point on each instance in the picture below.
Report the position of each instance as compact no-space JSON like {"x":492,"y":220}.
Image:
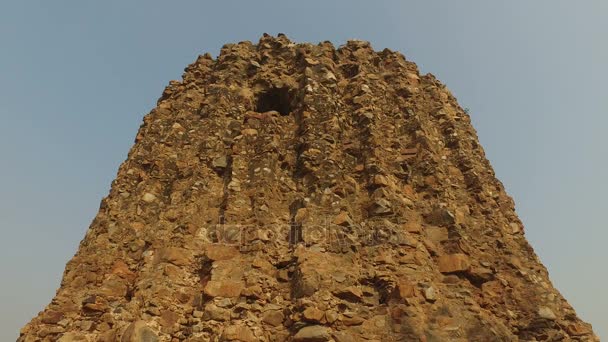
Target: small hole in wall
{"x":278,"y":99}
{"x":350,"y":70}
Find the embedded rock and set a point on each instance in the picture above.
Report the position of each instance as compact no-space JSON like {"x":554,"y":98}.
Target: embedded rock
{"x":139,"y":332}
{"x":315,"y":333}
{"x":450,"y":263}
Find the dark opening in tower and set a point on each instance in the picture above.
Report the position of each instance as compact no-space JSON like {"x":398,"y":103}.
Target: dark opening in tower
{"x":278,"y":99}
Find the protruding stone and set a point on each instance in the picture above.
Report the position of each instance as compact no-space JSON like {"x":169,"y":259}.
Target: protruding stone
{"x":217,"y":252}
{"x":168,"y":318}
{"x":223,"y":288}
{"x":381,"y":206}
{"x":481,"y":273}
{"x":350,"y":293}
{"x":220,"y":162}
{"x":73,"y":337}
{"x":313,"y":314}
{"x":343,"y":336}
{"x":430,"y":294}
{"x":546,"y":313}
{"x":216,"y":313}
{"x":437,"y":234}
{"x":249,"y":132}
{"x":273,"y":317}
{"x":314,"y":333}
{"x":441,"y":217}
{"x":342,"y":219}
{"x":412,"y":227}
{"x":175,"y":255}
{"x":352,"y":320}
{"x":380,"y":180}
{"x":121,"y":269}
{"x":311,"y":61}
{"x":331,"y":316}
{"x":452,"y":263}
{"x":514,"y":228}
{"x":52,"y":317}
{"x":329,"y":76}
{"x":148,"y":197}
{"x":254,"y":291}
{"x":405,"y":289}
{"x":301,"y":215}
{"x":239,"y":332}
{"x":138,"y":331}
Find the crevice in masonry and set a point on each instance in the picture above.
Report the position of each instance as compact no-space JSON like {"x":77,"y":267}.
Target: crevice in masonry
{"x":296,"y":234}
{"x":204,"y":275}
{"x":295,"y":228}
{"x":227,"y":178}
{"x":300,"y":138}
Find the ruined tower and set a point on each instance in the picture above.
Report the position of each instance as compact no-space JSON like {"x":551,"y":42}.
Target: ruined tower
{"x":299,"y":192}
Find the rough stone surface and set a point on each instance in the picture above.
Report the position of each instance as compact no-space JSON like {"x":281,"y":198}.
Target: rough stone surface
{"x":286,"y":191}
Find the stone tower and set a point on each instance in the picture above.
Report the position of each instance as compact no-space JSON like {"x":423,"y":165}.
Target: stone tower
{"x":298,"y":192}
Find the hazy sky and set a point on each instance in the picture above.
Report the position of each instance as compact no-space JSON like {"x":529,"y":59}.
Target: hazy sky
{"x":76,"y":78}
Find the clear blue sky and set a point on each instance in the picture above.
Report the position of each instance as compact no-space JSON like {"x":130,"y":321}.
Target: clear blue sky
{"x":76,"y":78}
